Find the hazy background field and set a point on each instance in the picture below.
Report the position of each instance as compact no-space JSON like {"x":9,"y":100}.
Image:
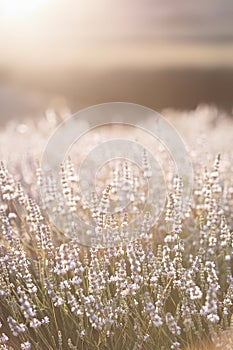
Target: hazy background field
{"x":74,"y":53}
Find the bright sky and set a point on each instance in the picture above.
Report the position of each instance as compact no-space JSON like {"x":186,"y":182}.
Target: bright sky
{"x":100,"y":33}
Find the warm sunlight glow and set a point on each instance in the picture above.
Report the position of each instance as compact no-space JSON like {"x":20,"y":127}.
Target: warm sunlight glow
{"x":16,"y":9}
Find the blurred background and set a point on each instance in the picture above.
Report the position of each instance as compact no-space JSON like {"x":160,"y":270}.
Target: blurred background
{"x":162,"y":54}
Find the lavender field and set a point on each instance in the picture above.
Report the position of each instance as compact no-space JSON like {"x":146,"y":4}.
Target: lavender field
{"x":171,"y":288}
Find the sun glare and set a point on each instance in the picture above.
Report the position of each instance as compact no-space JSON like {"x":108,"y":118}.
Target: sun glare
{"x":16,"y":9}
